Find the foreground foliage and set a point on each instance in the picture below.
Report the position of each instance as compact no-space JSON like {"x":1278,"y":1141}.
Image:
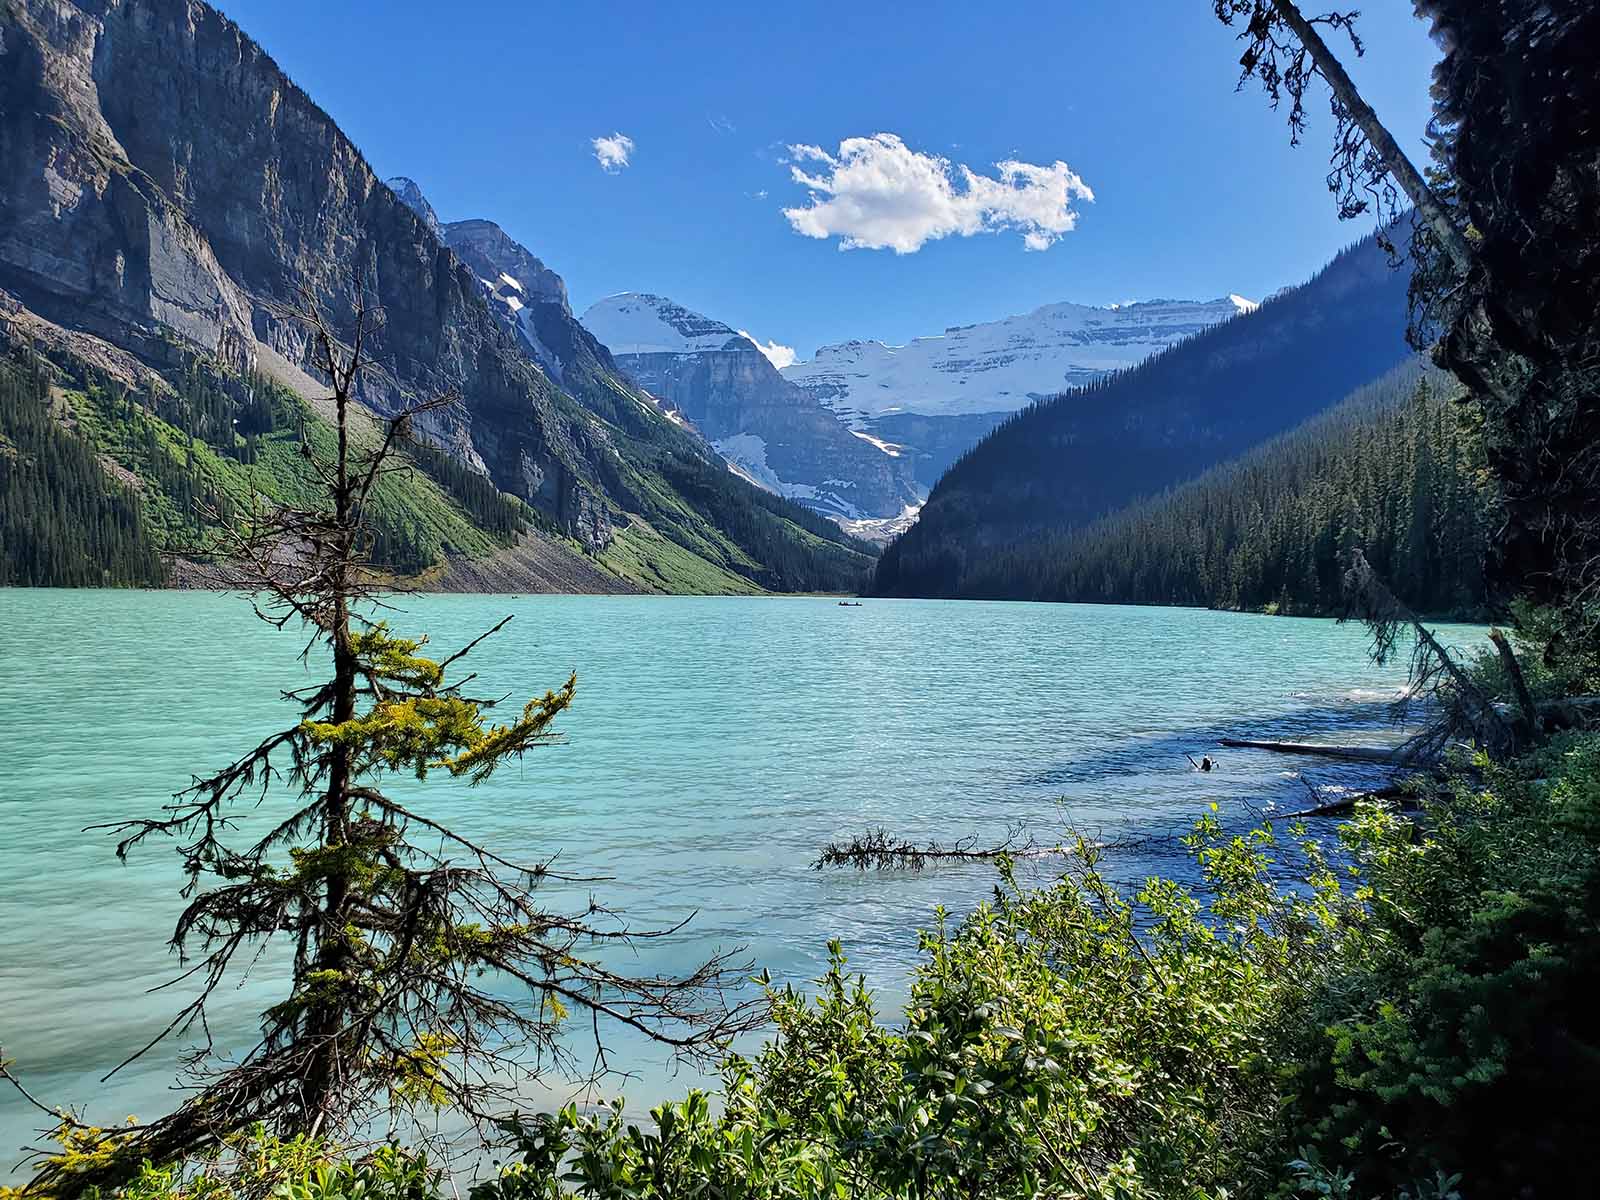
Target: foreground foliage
{"x":1410,"y":1018}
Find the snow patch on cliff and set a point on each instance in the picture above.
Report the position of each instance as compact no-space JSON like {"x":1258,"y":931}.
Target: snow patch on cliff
{"x":881,"y":530}
{"x":888,"y":448}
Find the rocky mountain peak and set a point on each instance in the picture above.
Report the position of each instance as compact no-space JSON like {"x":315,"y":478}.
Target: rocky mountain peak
{"x":769,"y":431}
{"x":643,"y":323}
{"x":411,"y":195}
{"x":503,"y":262}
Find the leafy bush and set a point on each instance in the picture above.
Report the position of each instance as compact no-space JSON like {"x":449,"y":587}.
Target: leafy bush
{"x":260,"y":1165}
{"x":1459,"y":1032}
{"x":1059,"y":1041}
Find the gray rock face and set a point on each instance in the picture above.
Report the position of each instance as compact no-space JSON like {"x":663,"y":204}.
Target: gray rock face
{"x":485,"y":247}
{"x":769,"y":430}
{"x":161,"y":177}
{"x":410,"y":193}
{"x":525,"y":295}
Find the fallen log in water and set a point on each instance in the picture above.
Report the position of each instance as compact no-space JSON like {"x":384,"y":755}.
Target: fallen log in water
{"x":880,"y":850}
{"x":1372,"y":754}
{"x":1346,"y":804}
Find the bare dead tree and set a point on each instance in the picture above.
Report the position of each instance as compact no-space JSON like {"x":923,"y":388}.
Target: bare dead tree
{"x":1467,"y":710}
{"x":427,"y":968}
{"x":1286,"y":53}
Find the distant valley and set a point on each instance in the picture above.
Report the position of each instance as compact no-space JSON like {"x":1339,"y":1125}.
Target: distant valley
{"x":862,"y":430}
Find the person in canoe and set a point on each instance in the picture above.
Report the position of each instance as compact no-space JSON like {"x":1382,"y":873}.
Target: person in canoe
{"x":1205,"y":763}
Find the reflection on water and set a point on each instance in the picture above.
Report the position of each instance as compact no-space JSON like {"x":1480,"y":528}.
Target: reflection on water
{"x":715,"y":745}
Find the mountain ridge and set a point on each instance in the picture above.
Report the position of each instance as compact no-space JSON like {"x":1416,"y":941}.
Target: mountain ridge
{"x":1062,"y":462}
{"x":169,"y":190}
{"x":721,"y":381}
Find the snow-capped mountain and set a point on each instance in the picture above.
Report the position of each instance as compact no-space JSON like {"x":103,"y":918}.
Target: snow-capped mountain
{"x":936,"y":397}
{"x":770,"y":431}
{"x":634,"y":323}
{"x":1002,"y":365}
{"x":410,"y":193}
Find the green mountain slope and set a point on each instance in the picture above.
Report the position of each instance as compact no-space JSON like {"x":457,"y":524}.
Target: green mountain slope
{"x":1393,"y":471}
{"x":212,"y":196}
{"x":1069,"y":460}
{"x":173,"y":452}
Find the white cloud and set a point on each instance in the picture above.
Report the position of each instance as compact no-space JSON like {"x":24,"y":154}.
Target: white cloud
{"x":879,"y":194}
{"x":612,"y":152}
{"x":778,"y":356}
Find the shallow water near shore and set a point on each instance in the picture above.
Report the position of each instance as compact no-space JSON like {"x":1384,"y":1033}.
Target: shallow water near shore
{"x":715,"y":745}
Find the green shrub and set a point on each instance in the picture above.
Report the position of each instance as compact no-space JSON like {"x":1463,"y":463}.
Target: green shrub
{"x":1060,"y":1041}
{"x":1459,"y":1032}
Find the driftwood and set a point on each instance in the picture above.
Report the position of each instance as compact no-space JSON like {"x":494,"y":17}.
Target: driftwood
{"x":878,"y":849}
{"x":1347,"y":804}
{"x":1372,"y":754}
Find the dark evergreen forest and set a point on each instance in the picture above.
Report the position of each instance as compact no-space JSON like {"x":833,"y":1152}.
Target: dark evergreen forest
{"x":1396,"y":470}
{"x":63,"y":520}
{"x":1072,"y":459}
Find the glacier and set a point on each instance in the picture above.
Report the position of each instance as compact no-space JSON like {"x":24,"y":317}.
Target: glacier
{"x":1000,"y":366}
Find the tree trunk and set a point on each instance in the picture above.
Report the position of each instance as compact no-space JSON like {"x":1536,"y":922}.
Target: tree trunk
{"x":1405,"y":174}
{"x":327,"y":1018}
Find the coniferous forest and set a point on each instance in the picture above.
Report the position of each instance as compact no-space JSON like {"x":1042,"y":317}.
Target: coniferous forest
{"x":1396,"y":470}
{"x":64,"y":521}
{"x":1070,"y":459}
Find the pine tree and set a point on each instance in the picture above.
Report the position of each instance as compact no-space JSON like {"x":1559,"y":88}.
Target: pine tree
{"x":426,"y":967}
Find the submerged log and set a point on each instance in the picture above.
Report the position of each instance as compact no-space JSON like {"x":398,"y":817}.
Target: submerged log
{"x":878,"y":848}
{"x":1372,"y":754}
{"x":1347,"y":804}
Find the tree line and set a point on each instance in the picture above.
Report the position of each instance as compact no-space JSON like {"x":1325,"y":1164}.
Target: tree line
{"x":64,"y":521}
{"x":1396,"y":471}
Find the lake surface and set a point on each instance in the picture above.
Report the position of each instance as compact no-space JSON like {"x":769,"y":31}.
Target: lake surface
{"x":715,"y":745}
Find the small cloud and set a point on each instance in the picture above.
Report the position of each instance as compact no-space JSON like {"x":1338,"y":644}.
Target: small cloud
{"x":612,"y":152}
{"x":877,"y":193}
{"x":721,"y":124}
{"x":778,"y":356}
{"x":759,"y":195}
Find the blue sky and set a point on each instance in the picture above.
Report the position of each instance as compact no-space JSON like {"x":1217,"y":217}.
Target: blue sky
{"x":494,"y":109}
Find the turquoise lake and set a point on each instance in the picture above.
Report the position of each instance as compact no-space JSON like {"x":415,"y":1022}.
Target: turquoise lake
{"x":715,"y":745}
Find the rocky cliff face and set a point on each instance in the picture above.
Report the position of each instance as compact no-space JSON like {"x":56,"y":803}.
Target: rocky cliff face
{"x":410,"y":192}
{"x":769,"y":430}
{"x":163,"y":182}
